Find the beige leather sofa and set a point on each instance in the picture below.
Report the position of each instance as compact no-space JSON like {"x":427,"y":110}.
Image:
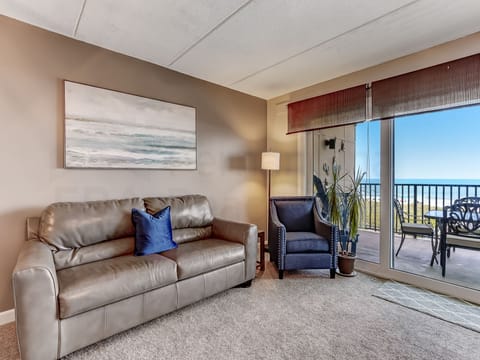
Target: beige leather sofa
{"x":76,"y":280}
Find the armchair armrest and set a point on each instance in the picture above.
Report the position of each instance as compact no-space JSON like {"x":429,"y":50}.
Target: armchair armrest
{"x":246,"y":234}
{"x":35,"y":290}
{"x":276,"y":238}
{"x":328,"y":231}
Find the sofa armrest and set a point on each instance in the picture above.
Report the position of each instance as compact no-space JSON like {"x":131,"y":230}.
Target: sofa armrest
{"x":35,"y":290}
{"x":246,"y":234}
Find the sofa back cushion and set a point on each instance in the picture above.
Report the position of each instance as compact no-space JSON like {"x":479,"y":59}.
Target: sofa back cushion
{"x":84,"y":232}
{"x":103,"y":250}
{"x":191,"y":215}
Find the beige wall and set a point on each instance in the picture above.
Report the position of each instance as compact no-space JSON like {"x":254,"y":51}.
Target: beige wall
{"x":293,"y":147}
{"x":231,"y":134}
{"x":284,"y":181}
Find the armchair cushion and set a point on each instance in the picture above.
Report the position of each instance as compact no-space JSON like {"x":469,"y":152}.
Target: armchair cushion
{"x":417,"y":228}
{"x":296,"y":215}
{"x":463,"y":241}
{"x":306,"y":242}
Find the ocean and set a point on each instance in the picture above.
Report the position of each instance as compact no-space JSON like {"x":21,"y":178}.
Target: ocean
{"x":97,"y":144}
{"x":429,"y":181}
{"x":433,"y":192}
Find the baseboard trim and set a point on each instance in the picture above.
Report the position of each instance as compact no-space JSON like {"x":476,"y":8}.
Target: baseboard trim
{"x":7,"y":316}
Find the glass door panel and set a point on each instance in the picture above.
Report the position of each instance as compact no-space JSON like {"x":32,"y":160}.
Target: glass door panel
{"x":367,"y":159}
{"x":352,"y":148}
{"x":434,"y":165}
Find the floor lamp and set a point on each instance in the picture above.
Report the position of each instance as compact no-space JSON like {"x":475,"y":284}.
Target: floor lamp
{"x":270,"y":161}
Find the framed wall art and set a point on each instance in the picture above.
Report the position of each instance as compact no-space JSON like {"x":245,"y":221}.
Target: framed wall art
{"x":107,"y":129}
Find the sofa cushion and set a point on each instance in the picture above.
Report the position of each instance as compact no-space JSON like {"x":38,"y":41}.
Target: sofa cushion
{"x":304,"y":242}
{"x":153,"y":233}
{"x":88,"y":286}
{"x":296,"y":215}
{"x":190,"y":212}
{"x":96,"y":252}
{"x":197,"y":257}
{"x":66,"y":226}
{"x":192,"y":234}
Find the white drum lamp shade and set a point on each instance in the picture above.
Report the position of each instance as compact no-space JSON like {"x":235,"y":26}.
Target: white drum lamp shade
{"x":271,"y":161}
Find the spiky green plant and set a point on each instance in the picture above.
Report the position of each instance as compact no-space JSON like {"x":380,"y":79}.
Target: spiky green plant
{"x":355,"y":204}
{"x":346,"y":205}
{"x":336,"y":200}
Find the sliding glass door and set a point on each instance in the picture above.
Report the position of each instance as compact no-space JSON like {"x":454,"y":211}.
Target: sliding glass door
{"x":420,"y":158}
{"x":435,"y":163}
{"x":353,"y":148}
{"x":432,"y":162}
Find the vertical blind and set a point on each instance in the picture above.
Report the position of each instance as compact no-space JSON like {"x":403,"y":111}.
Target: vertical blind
{"x":451,"y":84}
{"x":335,"y":109}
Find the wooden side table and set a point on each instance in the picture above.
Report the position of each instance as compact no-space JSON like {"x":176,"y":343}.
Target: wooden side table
{"x":261,"y":240}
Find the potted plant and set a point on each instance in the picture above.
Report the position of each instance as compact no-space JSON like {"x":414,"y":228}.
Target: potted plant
{"x":345,"y":209}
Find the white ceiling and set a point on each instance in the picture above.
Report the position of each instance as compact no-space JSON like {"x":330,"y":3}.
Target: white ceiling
{"x":264,"y":48}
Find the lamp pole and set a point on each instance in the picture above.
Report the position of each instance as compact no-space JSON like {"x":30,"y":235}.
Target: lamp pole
{"x":270,"y":161}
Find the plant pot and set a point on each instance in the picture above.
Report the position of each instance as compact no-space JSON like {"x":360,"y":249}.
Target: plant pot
{"x":346,"y":264}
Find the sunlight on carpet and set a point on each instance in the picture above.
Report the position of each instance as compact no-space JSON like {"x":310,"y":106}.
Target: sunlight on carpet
{"x":440,"y":306}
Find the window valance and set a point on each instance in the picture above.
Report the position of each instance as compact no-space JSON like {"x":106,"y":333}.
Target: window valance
{"x":335,"y":109}
{"x":451,"y":84}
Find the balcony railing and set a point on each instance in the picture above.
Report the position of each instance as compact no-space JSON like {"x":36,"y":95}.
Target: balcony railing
{"x":416,"y":199}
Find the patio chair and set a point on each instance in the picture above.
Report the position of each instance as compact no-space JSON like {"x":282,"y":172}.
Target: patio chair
{"x":468,"y":200}
{"x":411,"y":228}
{"x":465,"y":200}
{"x":461,"y":228}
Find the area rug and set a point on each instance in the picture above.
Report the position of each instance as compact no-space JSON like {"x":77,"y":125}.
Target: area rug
{"x":440,"y":306}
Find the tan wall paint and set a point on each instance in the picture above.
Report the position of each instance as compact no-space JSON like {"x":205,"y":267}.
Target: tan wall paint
{"x":231,"y":134}
{"x":283,"y":181}
{"x":287,"y":182}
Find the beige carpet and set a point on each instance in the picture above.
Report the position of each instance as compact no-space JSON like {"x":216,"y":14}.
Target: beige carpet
{"x":305,"y":316}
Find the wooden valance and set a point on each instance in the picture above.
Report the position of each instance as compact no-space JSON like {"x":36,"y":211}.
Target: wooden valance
{"x":451,"y":84}
{"x":335,"y":109}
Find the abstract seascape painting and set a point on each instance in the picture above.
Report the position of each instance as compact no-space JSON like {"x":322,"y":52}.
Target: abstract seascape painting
{"x":110,"y":129}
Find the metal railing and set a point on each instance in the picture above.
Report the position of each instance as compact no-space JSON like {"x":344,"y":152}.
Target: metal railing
{"x":416,"y":200}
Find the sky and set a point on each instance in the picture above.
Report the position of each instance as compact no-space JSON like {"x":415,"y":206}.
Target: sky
{"x":435,"y":145}
{"x":93,"y":103}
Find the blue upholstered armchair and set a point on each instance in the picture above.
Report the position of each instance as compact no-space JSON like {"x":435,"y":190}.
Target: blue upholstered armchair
{"x":298,"y":238}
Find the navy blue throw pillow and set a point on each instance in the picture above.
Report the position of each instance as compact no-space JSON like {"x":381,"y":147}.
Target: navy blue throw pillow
{"x":153,"y":233}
